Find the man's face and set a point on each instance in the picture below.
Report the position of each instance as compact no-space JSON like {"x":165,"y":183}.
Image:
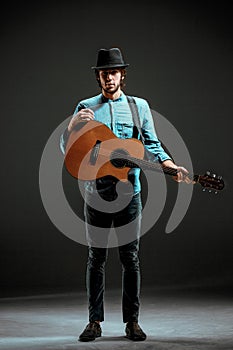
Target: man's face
{"x":110,"y":80}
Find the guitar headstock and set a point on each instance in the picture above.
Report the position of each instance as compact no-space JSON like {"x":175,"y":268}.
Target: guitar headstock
{"x":210,"y":182}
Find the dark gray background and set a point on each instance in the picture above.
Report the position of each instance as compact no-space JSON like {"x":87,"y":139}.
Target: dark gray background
{"x":180,"y":56}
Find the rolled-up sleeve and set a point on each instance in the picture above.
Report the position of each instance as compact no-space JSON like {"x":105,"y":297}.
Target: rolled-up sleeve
{"x":152,"y":143}
{"x":64,"y":137}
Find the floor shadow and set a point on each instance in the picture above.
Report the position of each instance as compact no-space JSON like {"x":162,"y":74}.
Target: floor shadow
{"x":113,"y":338}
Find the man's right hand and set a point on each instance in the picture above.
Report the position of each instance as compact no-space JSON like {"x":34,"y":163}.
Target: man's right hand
{"x":85,"y":114}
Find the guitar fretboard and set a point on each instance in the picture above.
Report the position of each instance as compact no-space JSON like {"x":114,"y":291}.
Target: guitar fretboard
{"x":144,"y":164}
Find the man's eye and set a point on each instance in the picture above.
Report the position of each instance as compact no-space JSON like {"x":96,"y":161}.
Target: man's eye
{"x":113,"y":72}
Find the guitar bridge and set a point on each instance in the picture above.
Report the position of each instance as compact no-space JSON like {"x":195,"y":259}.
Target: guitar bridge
{"x":95,"y":152}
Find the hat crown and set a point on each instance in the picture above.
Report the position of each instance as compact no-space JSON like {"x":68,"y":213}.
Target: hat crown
{"x":109,"y":58}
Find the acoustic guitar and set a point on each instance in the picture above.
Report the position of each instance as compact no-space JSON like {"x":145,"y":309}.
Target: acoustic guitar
{"x":94,"y":151}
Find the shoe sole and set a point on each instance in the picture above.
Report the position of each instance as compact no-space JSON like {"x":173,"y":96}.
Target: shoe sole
{"x":86,"y":339}
{"x":135,"y":338}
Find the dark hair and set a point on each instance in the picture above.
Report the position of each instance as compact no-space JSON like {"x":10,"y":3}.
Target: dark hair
{"x":123,"y":75}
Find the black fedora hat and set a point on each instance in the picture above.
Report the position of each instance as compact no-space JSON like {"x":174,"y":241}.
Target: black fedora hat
{"x":110,"y":58}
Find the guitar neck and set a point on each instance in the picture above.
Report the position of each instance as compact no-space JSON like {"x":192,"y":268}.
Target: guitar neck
{"x":148,"y":165}
{"x":207,"y":181}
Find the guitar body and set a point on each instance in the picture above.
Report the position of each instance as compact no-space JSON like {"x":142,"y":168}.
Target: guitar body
{"x":93,"y":151}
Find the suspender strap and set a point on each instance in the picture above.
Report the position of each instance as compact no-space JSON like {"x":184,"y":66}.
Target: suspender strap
{"x":136,"y":120}
{"x":135,"y":116}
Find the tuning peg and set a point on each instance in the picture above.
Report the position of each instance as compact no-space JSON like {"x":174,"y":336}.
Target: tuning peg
{"x":204,"y":189}
{"x":210,"y":191}
{"x":216,"y":192}
{"x":208,"y":173}
{"x":214,"y":175}
{"x":219,"y":177}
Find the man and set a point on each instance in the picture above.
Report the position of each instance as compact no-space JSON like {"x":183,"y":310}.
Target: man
{"x":113,"y":108}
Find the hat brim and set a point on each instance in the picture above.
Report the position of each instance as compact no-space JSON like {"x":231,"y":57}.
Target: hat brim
{"x":111,"y":66}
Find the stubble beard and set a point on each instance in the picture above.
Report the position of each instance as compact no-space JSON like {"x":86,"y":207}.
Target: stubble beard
{"x":111,"y":92}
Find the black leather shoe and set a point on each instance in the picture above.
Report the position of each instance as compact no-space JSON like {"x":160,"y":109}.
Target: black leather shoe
{"x":92,"y":331}
{"x":134,"y":332}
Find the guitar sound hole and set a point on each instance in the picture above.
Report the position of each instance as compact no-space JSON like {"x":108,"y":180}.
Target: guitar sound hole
{"x":119,"y":158}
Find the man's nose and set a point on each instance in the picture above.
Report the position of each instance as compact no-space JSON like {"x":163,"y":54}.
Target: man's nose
{"x":109,"y":76}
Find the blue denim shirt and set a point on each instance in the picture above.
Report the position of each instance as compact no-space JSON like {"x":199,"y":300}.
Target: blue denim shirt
{"x":116,"y":114}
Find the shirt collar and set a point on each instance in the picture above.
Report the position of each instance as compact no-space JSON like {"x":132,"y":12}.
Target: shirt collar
{"x":119,"y":99}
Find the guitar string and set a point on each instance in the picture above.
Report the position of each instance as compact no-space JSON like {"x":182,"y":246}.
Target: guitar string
{"x":159,"y":168}
{"x":143,"y":162}
{"x":205,"y":182}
